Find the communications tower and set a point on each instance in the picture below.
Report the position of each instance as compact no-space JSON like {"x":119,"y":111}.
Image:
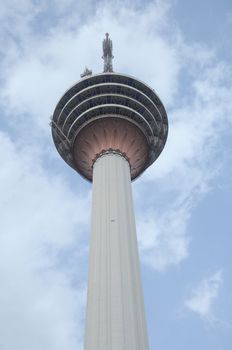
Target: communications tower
{"x":110,"y":127}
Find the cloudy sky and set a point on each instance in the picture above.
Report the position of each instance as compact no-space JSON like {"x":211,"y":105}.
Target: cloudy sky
{"x":183,"y":202}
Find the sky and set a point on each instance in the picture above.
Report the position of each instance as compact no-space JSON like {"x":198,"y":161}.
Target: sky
{"x":183,"y":202}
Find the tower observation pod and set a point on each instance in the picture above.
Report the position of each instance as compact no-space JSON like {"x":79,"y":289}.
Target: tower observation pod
{"x":110,"y":127}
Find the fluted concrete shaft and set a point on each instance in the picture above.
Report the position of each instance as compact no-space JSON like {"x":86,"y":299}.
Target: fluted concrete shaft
{"x":115,"y":310}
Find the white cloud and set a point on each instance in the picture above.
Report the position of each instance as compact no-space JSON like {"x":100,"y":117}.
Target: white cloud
{"x":162,"y":236}
{"x":204,"y":295}
{"x":188,"y":167}
{"x":40,"y":303}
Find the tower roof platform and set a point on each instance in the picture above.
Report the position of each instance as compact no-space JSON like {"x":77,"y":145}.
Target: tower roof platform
{"x":100,"y":106}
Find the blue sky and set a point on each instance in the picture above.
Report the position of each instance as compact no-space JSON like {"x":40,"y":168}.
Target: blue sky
{"x":182,"y":203}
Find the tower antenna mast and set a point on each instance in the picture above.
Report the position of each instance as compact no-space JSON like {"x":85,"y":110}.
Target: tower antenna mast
{"x":107,"y":46}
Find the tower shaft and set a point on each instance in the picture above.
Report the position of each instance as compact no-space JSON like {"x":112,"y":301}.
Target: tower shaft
{"x":115,"y":317}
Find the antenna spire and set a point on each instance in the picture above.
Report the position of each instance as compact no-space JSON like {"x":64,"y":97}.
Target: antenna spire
{"x":107,"y":46}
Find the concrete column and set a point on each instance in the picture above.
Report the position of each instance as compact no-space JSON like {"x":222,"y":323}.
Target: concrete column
{"x":115,"y":317}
